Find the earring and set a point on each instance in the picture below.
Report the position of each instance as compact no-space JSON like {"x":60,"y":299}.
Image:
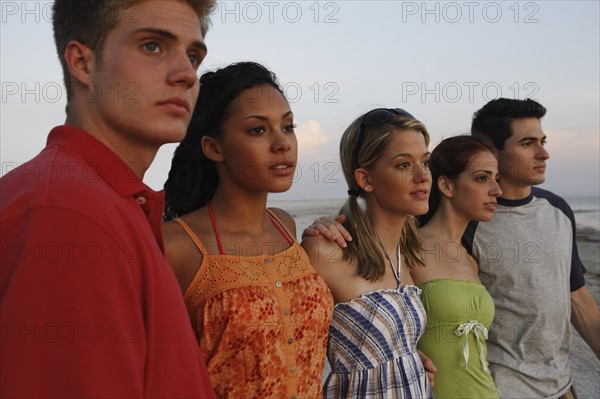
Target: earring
{"x":368,"y":188}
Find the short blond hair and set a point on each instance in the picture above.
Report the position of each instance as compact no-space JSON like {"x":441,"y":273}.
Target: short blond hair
{"x":90,"y":21}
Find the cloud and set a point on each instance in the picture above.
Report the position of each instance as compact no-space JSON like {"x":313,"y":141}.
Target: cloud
{"x":574,"y":166}
{"x":574,"y":144}
{"x":311,"y":137}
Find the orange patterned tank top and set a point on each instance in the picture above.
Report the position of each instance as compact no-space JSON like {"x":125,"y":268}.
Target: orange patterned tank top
{"x":261,"y":322}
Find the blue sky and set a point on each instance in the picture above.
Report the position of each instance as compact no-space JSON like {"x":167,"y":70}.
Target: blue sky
{"x":338,"y":59}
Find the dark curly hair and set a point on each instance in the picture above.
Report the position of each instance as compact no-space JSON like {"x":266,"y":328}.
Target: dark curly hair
{"x":193,"y":178}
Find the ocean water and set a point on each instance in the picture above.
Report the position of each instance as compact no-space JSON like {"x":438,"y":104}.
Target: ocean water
{"x":586,"y":210}
{"x":306,"y":211}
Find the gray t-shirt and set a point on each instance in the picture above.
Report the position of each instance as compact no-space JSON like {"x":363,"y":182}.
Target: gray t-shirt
{"x":529,"y":263}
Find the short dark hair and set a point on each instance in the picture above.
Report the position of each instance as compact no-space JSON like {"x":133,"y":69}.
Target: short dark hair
{"x":450,"y":158}
{"x":90,"y":21}
{"x":495,"y":119}
{"x":193,"y":178}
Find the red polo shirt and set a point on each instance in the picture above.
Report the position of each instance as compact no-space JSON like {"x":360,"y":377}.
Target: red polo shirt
{"x":90,"y":306}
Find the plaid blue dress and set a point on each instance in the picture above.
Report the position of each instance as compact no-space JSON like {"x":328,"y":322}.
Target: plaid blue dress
{"x":373,"y":347}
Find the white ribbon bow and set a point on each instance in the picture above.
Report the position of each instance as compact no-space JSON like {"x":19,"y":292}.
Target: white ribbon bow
{"x":481,"y":334}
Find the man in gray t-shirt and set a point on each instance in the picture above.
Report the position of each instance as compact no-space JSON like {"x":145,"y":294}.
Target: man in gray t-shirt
{"x":528,"y":261}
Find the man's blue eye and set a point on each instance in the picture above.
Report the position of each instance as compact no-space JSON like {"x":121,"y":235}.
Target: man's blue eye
{"x":152,"y":47}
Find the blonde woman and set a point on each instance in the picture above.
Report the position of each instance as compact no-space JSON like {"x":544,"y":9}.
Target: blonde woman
{"x":378,"y":315}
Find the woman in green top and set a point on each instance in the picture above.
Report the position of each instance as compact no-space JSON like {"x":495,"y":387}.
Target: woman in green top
{"x":459,"y":308}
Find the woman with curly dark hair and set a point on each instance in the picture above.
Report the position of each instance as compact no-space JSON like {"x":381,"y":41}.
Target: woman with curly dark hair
{"x":259,"y":309}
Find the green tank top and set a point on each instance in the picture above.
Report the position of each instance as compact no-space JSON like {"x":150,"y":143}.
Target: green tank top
{"x":459,"y":314}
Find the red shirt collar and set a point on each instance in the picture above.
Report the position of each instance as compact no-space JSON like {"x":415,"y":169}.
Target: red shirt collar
{"x":104,"y":164}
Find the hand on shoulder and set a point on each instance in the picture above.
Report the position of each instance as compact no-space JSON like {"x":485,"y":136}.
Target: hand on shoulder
{"x":332,"y":228}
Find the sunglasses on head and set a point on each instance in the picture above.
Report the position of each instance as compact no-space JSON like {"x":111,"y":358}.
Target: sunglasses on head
{"x":376,"y":117}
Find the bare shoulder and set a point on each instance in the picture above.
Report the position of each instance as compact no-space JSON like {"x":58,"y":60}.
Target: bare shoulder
{"x":174,"y":237}
{"x":328,"y":260}
{"x":419,"y":274}
{"x":183,"y":255}
{"x":322,"y":252}
{"x":286,"y":219}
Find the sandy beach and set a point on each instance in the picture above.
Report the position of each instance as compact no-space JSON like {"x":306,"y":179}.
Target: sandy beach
{"x":585,"y":364}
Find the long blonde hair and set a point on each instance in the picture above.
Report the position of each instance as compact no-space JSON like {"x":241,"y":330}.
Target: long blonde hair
{"x":365,"y":250}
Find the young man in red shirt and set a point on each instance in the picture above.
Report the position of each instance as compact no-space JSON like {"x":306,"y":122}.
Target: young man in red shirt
{"x":90,"y":306}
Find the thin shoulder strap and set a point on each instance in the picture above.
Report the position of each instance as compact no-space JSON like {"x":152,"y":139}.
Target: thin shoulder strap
{"x":214,"y":224}
{"x":288,"y":237}
{"x":395,"y":269}
{"x":192,"y":235}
